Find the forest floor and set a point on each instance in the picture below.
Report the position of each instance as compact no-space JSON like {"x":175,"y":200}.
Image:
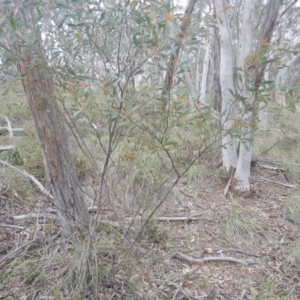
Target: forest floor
{"x":260,"y":230}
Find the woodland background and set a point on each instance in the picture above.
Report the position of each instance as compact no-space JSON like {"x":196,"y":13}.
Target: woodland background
{"x":149,"y":149}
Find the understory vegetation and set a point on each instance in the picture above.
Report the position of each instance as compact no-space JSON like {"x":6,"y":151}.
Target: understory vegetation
{"x":159,"y":200}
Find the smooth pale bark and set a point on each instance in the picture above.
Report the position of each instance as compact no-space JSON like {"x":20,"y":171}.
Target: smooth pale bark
{"x":197,"y":69}
{"x":216,"y":87}
{"x":205,"y":72}
{"x":242,"y":172}
{"x":263,"y":110}
{"x":229,"y":151}
{"x":47,"y":116}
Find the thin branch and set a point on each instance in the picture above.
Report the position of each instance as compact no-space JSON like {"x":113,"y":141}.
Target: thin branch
{"x":34,"y":216}
{"x":295,"y":1}
{"x":31,"y":177}
{"x":280,"y":183}
{"x":210,"y":258}
{"x":6,"y":148}
{"x":3,"y":129}
{"x":268,"y":148}
{"x":270,"y":129}
{"x":12,"y":255}
{"x":11,"y":226}
{"x":271,"y":168}
{"x":229,"y":183}
{"x":10,"y":131}
{"x":191,"y":218}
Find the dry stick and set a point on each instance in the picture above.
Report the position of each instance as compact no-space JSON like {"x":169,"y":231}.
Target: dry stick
{"x":270,"y":129}
{"x":191,"y":218}
{"x":5,"y":148}
{"x":33,"y":179}
{"x":210,"y":258}
{"x":12,"y":255}
{"x":10,"y":131}
{"x":11,"y":226}
{"x":53,"y":216}
{"x":277,"y":182}
{"x":229,"y":183}
{"x":237,"y":250}
{"x":243,"y":294}
{"x":3,"y":129}
{"x":34,"y":216}
{"x":271,"y":168}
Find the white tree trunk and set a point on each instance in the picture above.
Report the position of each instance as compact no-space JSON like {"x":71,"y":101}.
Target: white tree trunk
{"x":229,"y":152}
{"x":205,"y":71}
{"x":242,"y":173}
{"x":197,"y":71}
{"x":263,"y":111}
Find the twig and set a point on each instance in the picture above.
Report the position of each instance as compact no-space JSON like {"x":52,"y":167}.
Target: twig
{"x":268,"y":148}
{"x":265,"y":197}
{"x":211,"y":258}
{"x":243,"y":294}
{"x":12,"y":255}
{"x":277,"y":182}
{"x":33,"y":179}
{"x":12,"y":226}
{"x":270,"y":129}
{"x":5,"y":148}
{"x":237,"y":250}
{"x":229,"y":183}
{"x":278,"y":163}
{"x":34,"y":216}
{"x":10,"y":131}
{"x":191,"y":218}
{"x":271,"y":168}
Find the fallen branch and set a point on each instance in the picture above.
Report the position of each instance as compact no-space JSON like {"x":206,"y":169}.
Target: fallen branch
{"x":52,"y":215}
{"x":14,"y":130}
{"x":34,"y":216}
{"x":191,"y":218}
{"x":12,"y":255}
{"x":270,"y":129}
{"x":10,"y":131}
{"x":210,"y":258}
{"x":278,"y":163}
{"x":6,"y":148}
{"x":280,"y":183}
{"x":31,"y":177}
{"x":11,"y":226}
{"x":271,"y":168}
{"x":229,"y":183}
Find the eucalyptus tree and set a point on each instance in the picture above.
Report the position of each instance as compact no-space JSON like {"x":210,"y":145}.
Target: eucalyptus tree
{"x":238,"y":119}
{"x":229,"y":151}
{"x":21,"y":35}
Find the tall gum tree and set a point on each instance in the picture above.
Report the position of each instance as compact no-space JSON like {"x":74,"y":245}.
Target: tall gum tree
{"x":242,"y":174}
{"x":229,"y":151}
{"x":38,"y":86}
